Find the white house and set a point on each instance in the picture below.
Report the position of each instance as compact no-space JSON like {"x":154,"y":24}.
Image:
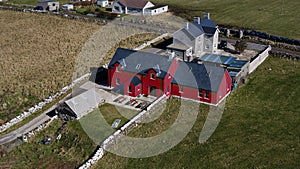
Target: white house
{"x":131,"y":6}
{"x":49,"y":5}
{"x":68,"y":7}
{"x":156,"y":10}
{"x":104,"y":3}
{"x":196,"y":38}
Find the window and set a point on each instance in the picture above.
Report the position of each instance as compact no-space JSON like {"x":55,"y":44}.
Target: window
{"x":118,"y":68}
{"x":152,"y":76}
{"x":206,"y":46}
{"x":117,"y":81}
{"x":167,"y":89}
{"x":200,"y":93}
{"x":138,"y":66}
{"x":206,"y":94}
{"x":129,"y":89}
{"x":181,"y":89}
{"x":169,"y":76}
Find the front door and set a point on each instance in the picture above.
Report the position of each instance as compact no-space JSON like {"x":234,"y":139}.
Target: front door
{"x":152,"y":90}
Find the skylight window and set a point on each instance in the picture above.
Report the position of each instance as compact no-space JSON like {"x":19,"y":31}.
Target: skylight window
{"x":138,"y":66}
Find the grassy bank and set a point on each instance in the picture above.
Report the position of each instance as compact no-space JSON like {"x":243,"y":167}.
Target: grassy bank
{"x":68,"y":152}
{"x":275,"y":17}
{"x":37,"y":57}
{"x":75,"y":145}
{"x":259,"y":128}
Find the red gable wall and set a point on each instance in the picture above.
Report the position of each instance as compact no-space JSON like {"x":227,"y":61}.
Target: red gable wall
{"x":164,"y":86}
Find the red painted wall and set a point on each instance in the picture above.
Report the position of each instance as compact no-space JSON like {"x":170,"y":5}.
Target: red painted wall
{"x":224,"y":88}
{"x":169,"y":77}
{"x":136,"y":90}
{"x":147,"y":81}
{"x":191,"y":93}
{"x":162,"y":84}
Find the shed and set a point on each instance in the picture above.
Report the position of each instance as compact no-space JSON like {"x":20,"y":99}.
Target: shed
{"x":81,"y":104}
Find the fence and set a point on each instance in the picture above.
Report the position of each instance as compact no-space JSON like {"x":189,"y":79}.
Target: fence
{"x":257,"y":60}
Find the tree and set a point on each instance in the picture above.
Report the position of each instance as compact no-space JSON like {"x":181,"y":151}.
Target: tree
{"x":240,"y":46}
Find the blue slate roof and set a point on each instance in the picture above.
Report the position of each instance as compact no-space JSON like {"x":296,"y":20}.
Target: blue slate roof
{"x":205,"y":22}
{"x":199,"y":76}
{"x":140,"y":62}
{"x":136,"y":81}
{"x":194,"y":30}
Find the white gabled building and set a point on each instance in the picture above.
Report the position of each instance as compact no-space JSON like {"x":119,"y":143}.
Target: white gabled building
{"x":138,"y":7}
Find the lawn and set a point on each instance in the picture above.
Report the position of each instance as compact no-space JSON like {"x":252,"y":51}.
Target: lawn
{"x":259,"y":127}
{"x":277,"y":17}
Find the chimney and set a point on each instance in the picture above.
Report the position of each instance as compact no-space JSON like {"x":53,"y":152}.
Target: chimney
{"x":171,"y":55}
{"x":197,"y":20}
{"x":186,"y":25}
{"x":207,"y":15}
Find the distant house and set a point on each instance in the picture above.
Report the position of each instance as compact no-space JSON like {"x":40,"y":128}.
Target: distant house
{"x":104,"y":3}
{"x":195,"y":39}
{"x":139,"y":7}
{"x":67,"y":7}
{"x":49,"y":5}
{"x":136,"y":73}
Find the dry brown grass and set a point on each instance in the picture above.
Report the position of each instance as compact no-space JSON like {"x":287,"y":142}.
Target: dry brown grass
{"x":36,"y":57}
{"x":40,"y":54}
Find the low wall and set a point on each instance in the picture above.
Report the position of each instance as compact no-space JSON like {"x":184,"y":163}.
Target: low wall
{"x":41,"y":104}
{"x":256,"y":61}
{"x":152,"y":41}
{"x":134,"y":122}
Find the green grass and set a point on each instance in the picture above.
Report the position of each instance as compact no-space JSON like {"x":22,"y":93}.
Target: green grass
{"x":259,"y":127}
{"x":268,"y":15}
{"x":69,"y":152}
{"x":75,"y":146}
{"x":98,"y":123}
{"x":34,"y":115}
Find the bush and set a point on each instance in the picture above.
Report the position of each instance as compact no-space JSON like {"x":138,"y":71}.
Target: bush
{"x":240,"y":46}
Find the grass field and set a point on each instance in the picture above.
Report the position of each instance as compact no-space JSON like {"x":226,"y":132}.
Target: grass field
{"x":273,"y":16}
{"x":39,"y":53}
{"x":259,"y":127}
{"x":37,"y":57}
{"x":34,"y":2}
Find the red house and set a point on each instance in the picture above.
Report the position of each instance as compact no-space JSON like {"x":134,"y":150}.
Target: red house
{"x":134,"y":72}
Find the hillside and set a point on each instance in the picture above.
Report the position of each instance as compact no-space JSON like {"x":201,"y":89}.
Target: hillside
{"x":280,"y":18}
{"x":259,"y":127}
{"x":37,"y":57}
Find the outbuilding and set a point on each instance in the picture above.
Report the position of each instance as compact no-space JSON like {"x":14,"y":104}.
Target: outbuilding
{"x":49,"y":5}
